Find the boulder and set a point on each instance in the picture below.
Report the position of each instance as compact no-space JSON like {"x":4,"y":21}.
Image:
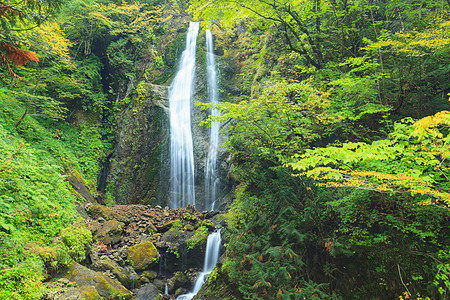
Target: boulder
{"x":150,"y":274}
{"x":143,"y":255}
{"x":179,"y":280}
{"x":110,"y":232}
{"x":126,"y":275}
{"x":87,"y":292}
{"x":147,"y":292}
{"x":105,"y":286}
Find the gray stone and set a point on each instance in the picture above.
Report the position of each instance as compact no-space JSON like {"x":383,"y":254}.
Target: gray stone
{"x":147,"y":292}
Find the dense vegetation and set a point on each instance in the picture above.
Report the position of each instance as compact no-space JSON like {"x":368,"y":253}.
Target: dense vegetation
{"x":340,"y":148}
{"x":68,"y":68}
{"x":339,"y":138}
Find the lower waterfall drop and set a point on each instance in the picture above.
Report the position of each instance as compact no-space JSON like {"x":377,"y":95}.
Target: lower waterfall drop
{"x":211,"y":257}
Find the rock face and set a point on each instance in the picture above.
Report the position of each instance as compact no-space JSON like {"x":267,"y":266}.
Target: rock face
{"x":136,"y":167}
{"x":105,"y":286}
{"x":143,"y":255}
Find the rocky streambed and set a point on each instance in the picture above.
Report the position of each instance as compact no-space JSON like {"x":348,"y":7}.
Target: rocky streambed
{"x":138,"y":252}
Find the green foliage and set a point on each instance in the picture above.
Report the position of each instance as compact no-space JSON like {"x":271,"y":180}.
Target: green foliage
{"x":199,"y":238}
{"x":23,"y":280}
{"x":77,"y":238}
{"x":37,"y":204}
{"x":399,"y":164}
{"x":173,"y":250}
{"x":286,"y":117}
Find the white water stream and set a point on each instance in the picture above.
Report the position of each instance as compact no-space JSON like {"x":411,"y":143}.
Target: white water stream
{"x":211,"y":178}
{"x":211,"y":257}
{"x":181,"y":148}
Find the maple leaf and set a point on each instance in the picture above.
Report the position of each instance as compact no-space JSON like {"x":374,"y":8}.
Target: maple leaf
{"x":18,"y":56}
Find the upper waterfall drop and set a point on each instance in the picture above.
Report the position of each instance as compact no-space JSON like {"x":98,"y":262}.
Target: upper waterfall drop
{"x":182,"y":190}
{"x":211,"y":178}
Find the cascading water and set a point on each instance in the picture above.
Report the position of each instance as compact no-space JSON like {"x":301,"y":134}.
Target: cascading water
{"x":211,"y":257}
{"x":211,"y":178}
{"x":181,"y":148}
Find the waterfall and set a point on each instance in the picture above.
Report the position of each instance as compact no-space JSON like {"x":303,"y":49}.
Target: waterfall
{"x":211,"y":257}
{"x":211,"y":178}
{"x":181,"y":148}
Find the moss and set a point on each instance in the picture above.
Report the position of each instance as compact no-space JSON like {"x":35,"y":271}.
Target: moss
{"x":207,"y":223}
{"x":115,"y":292}
{"x":110,"y":232}
{"x":189,"y":227}
{"x":199,"y":239}
{"x":150,"y":274}
{"x":143,"y":255}
{"x":88,"y":292}
{"x":105,"y":286}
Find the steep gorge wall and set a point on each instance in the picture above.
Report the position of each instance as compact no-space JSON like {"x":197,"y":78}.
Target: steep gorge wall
{"x":138,"y":160}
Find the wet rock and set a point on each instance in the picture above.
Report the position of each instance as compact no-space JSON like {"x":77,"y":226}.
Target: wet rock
{"x":179,"y":280}
{"x":148,"y":292}
{"x":105,"y":286}
{"x":150,"y":274}
{"x":140,"y":141}
{"x":181,"y":291}
{"x":160,"y":285}
{"x":109,"y":233}
{"x":143,"y":255}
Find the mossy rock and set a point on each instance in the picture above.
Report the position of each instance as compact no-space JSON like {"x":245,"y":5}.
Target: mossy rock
{"x":82,"y":293}
{"x":189,"y":227}
{"x":179,"y":280}
{"x":143,"y":255}
{"x":105,"y":286}
{"x":209,"y":224}
{"x":110,"y":232}
{"x":199,"y":239}
{"x":150,"y":274}
{"x":126,"y":275}
{"x":80,"y":188}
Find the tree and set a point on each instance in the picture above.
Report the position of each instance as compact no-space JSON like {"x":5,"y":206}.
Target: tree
{"x":20,"y":16}
{"x":413,"y":159}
